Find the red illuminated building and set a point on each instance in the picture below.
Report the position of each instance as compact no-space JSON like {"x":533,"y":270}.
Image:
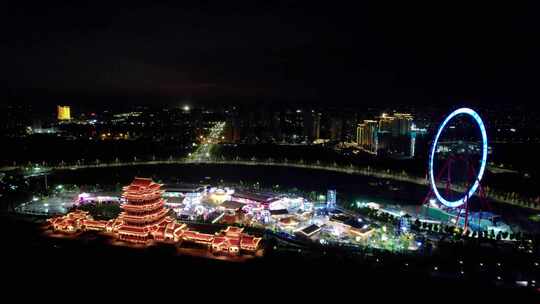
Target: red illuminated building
{"x":145,"y":216}
{"x":144,"y":219}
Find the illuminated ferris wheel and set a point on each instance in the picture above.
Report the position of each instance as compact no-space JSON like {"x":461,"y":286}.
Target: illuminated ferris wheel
{"x":465,"y":158}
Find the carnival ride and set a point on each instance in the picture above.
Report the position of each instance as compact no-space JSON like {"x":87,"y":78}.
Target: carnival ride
{"x":473,"y":179}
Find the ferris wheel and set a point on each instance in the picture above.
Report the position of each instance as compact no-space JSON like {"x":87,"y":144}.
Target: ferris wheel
{"x":462,"y":193}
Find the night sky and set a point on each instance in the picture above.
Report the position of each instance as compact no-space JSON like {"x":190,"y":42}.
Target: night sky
{"x":288,"y":52}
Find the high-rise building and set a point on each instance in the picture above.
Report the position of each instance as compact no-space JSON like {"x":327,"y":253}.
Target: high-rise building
{"x":395,"y":134}
{"x":312,"y":125}
{"x":402,"y":124}
{"x":386,"y":122}
{"x":367,"y":135}
{"x":317,"y":126}
{"x":398,"y":124}
{"x":63,"y":112}
{"x":336,"y":128}
{"x":350,"y":122}
{"x":360,"y":129}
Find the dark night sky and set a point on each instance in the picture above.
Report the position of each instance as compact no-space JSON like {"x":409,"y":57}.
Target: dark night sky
{"x":332,"y":53}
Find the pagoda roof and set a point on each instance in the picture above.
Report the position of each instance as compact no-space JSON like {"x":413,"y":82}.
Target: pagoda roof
{"x":126,"y":216}
{"x":198,"y":235}
{"x":145,"y":207}
{"x":223,"y":240}
{"x":233,"y":230}
{"x":141,"y":181}
{"x":95,"y":223}
{"x":142,"y":184}
{"x":133,"y":229}
{"x":251,"y":241}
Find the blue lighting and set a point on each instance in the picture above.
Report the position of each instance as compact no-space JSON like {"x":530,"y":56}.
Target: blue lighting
{"x":472,"y":190}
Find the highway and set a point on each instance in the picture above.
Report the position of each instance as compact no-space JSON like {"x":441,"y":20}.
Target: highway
{"x":204,"y":150}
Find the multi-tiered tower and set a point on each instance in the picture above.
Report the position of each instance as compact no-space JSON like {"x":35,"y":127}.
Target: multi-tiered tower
{"x":144,"y":213}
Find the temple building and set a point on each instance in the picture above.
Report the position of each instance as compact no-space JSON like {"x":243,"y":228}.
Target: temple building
{"x":145,"y":217}
{"x":144,"y":220}
{"x":232,"y":240}
{"x":71,"y":222}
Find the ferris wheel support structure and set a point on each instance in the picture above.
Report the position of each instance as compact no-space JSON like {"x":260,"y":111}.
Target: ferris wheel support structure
{"x":463,"y":202}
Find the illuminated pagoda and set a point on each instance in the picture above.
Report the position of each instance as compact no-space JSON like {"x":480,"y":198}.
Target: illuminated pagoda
{"x":145,"y":217}
{"x":144,"y":220}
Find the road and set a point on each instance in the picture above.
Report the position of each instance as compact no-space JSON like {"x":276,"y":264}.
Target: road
{"x":204,"y":150}
{"x":202,"y":156}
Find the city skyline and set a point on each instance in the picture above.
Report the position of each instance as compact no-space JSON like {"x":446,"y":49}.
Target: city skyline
{"x":349,"y":144}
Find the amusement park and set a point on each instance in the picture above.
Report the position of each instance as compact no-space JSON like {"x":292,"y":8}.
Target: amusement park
{"x":243,"y":221}
{"x":287,"y":149}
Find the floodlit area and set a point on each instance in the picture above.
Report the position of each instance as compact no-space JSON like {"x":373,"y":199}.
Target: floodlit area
{"x":51,"y":205}
{"x":60,"y":201}
{"x":290,"y":216}
{"x":321,"y":219}
{"x":285,"y":214}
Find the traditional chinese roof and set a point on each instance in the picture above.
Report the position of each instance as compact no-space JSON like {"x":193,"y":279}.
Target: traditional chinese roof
{"x":226,"y":241}
{"x":70,"y":219}
{"x":232,"y":230}
{"x":146,"y":207}
{"x":142,"y":182}
{"x":198,"y":236}
{"x":94,"y":223}
{"x":143,"y":218}
{"x":248,"y":241}
{"x":133,"y":230}
{"x":174,"y":226}
{"x":142,"y":187}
